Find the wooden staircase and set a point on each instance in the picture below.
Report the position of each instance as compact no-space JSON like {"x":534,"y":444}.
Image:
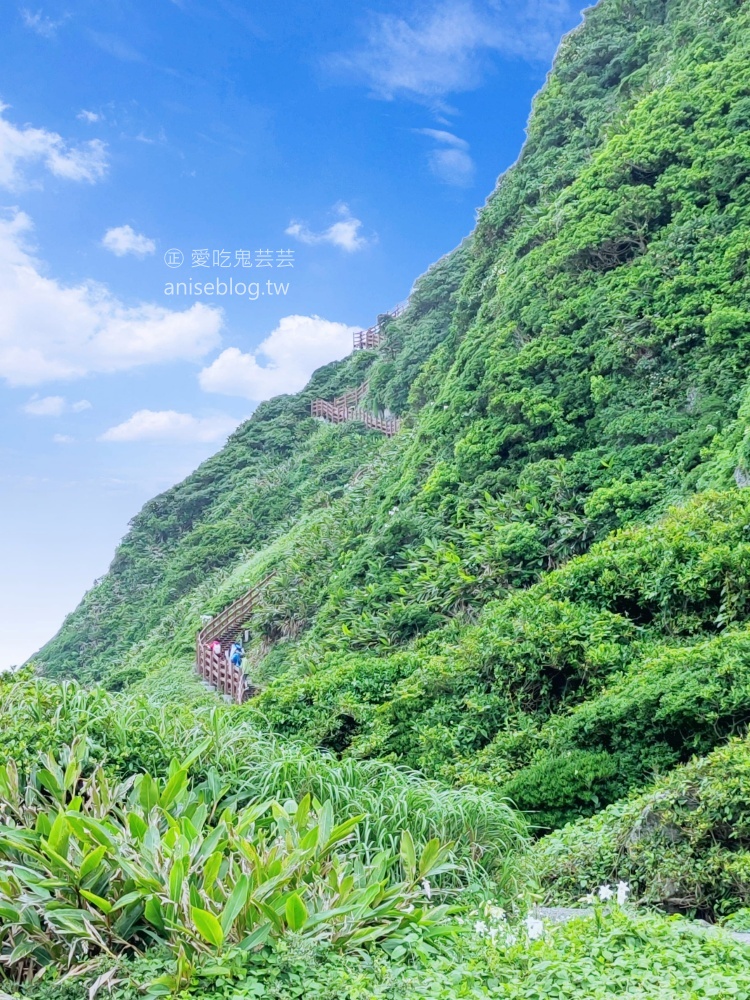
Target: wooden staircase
{"x":338,"y":410}
{"x":372,"y":338}
{"x":347,"y":407}
{"x":226,"y":628}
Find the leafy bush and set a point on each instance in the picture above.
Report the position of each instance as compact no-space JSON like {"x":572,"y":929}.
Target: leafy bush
{"x":129,"y":735}
{"x":88,"y":868}
{"x":616,"y":955}
{"x":683,"y":845}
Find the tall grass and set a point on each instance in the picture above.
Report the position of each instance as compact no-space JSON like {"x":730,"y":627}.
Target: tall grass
{"x":129,"y":734}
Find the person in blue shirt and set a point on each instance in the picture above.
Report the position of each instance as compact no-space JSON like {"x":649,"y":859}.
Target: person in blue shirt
{"x":237,"y":653}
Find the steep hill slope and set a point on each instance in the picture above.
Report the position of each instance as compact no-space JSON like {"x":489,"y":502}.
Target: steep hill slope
{"x":540,"y":583}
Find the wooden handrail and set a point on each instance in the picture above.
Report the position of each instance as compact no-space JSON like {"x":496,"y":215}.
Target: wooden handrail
{"x":213,"y":667}
{"x":347,"y":407}
{"x":372,"y":337}
{"x":235,"y":615}
{"x":352,"y":396}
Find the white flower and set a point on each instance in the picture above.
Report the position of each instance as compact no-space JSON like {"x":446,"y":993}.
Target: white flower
{"x":480,"y":927}
{"x":495,"y":912}
{"x":605,"y":893}
{"x":427,"y":888}
{"x":622,"y":893}
{"x":534,"y":928}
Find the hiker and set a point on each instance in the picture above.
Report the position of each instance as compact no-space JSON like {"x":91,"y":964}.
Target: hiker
{"x":237,"y":654}
{"x":215,"y":647}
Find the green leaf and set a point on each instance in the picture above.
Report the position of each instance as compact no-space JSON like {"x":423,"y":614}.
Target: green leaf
{"x":207,"y":926}
{"x":433,"y":856}
{"x":154,"y":913}
{"x":176,"y":879}
{"x":258,"y":938}
{"x":87,"y":828}
{"x":296,"y":912}
{"x":137,"y":825}
{"x":195,"y":754}
{"x":50,"y":782}
{"x":270,"y":914}
{"x":325,"y":823}
{"x":127,"y":900}
{"x":91,"y":862}
{"x":58,"y":858}
{"x":98,"y":901}
{"x":302,"y":813}
{"x":21,"y":951}
{"x":148,"y":793}
{"x":211,"y":870}
{"x":9,"y":914}
{"x":310,"y":840}
{"x":59,"y":835}
{"x":236,"y":902}
{"x":72,"y":774}
{"x":342,"y":831}
{"x":174,"y":789}
{"x":408,"y":856}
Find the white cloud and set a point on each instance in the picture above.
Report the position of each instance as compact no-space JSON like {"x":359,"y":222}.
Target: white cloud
{"x":24,"y":146}
{"x":344,"y":234}
{"x":53,"y":406}
{"x":63,"y":439}
{"x":91,"y":117}
{"x":452,"y":163}
{"x":46,"y":406}
{"x":122,"y":240}
{"x":440,"y":135}
{"x":53,"y":331}
{"x":115,"y":46}
{"x":282,"y":363}
{"x":37,"y":21}
{"x":446,"y":47}
{"x":169,"y":425}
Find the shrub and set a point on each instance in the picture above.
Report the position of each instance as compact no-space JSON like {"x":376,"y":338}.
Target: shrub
{"x":683,"y":845}
{"x":88,"y":868}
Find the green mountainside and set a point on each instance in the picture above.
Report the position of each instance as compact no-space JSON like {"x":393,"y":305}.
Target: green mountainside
{"x":538,"y":591}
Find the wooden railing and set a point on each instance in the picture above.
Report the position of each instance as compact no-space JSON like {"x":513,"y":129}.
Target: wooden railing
{"x":387,"y":425}
{"x":366,"y":340}
{"x":328,"y":411}
{"x":225,"y":628}
{"x":347,"y":407}
{"x":352,"y":397}
{"x":225,"y":677}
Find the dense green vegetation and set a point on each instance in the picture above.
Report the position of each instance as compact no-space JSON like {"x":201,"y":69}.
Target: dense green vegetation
{"x":536,"y":593}
{"x":684,"y":844}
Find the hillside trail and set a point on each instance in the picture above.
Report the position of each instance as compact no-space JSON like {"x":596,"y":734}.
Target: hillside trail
{"x":347,"y":407}
{"x":212,"y":664}
{"x":221,"y":631}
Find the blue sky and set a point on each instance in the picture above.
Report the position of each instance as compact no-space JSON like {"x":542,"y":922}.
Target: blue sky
{"x":322,"y":154}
